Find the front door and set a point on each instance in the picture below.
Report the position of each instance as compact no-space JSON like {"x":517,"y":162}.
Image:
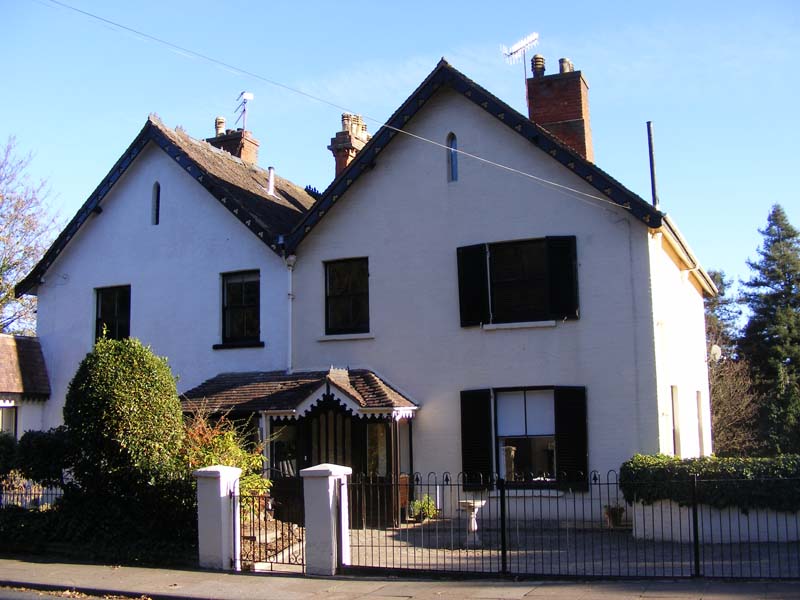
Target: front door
{"x":330,"y":434}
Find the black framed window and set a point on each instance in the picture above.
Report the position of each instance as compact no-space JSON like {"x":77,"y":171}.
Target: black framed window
{"x":347,"y":296}
{"x":113,"y":312}
{"x":8,"y":421}
{"x":519,"y":281}
{"x":241,"y":307}
{"x":452,"y":157}
{"x":537,"y":436}
{"x":526,"y":435}
{"x":156,"y":208}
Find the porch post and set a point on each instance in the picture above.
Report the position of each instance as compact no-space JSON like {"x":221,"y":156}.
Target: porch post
{"x":266,"y":434}
{"x":324,"y":507}
{"x":395,"y":437}
{"x":218,"y":517}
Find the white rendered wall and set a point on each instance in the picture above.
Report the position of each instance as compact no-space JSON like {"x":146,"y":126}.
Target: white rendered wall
{"x":408,"y":220}
{"x":667,"y":521}
{"x":174,"y":272}
{"x":679,"y":323}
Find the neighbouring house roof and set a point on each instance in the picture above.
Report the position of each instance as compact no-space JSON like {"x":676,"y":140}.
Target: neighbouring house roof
{"x":444,"y":75}
{"x":238,"y":186}
{"x":289,"y":394}
{"x":22,"y":369}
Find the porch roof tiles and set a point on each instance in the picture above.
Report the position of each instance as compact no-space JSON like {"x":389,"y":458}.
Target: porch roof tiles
{"x":22,"y":368}
{"x":281,"y":391}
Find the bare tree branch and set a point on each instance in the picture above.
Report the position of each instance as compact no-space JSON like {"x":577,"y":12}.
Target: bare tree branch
{"x":734,"y":409}
{"x":26,"y":230}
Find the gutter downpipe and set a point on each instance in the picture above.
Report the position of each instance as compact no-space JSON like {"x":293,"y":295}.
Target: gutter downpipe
{"x":290,"y":262}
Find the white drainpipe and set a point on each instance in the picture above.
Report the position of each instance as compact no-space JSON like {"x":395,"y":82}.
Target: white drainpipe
{"x":289,"y":260}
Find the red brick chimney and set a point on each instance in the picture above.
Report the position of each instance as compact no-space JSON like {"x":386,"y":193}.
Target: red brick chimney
{"x":560,"y":104}
{"x":237,"y":142}
{"x":347,"y":142}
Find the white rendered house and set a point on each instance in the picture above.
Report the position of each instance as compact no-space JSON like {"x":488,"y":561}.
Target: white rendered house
{"x":428,"y":312}
{"x":544,"y":330}
{"x":177,"y":246}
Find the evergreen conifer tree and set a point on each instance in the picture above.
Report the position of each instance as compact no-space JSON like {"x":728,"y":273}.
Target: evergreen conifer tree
{"x":734,"y":402}
{"x":771,"y":338}
{"x":722,"y":313}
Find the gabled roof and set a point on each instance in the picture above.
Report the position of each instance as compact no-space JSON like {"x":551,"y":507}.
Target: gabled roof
{"x":22,"y":369}
{"x":281,"y":392}
{"x":445,"y":75}
{"x":240,"y":187}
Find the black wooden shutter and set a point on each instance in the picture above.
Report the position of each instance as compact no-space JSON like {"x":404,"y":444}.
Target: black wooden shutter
{"x":572,"y":460}
{"x":476,"y":439}
{"x":562,"y":267}
{"x":473,"y":288}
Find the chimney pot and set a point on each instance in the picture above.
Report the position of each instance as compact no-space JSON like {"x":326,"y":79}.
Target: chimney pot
{"x":560,"y":104}
{"x":236,"y":142}
{"x":347,"y":142}
{"x":537,"y":65}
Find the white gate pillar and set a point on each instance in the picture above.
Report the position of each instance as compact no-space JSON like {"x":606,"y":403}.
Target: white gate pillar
{"x":218,"y":530}
{"x":323,"y":507}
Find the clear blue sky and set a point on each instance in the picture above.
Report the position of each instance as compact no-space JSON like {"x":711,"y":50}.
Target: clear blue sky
{"x":717,"y":78}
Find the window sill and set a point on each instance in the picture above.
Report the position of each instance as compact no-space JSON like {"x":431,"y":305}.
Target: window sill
{"x":522,"y":325}
{"x":230,"y":345}
{"x":523,"y":492}
{"x":345,"y":337}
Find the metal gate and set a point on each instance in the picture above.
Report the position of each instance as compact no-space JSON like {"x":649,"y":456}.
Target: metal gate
{"x":542,"y":529}
{"x":273,"y":528}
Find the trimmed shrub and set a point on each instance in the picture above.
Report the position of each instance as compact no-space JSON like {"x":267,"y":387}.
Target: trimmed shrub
{"x":43,"y":456}
{"x":130,"y":497}
{"x":124,"y":418}
{"x":744,"y":483}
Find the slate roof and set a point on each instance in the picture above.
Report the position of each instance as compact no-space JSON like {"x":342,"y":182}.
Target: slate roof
{"x":22,"y":368}
{"x":279,"y":391}
{"x":240,"y":187}
{"x":444,"y":75}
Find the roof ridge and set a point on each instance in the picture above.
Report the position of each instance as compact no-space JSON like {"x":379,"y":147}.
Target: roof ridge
{"x":181,"y":132}
{"x":445,"y":75}
{"x":230,"y":181}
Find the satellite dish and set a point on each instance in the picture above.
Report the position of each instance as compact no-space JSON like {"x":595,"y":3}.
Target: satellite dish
{"x":716,"y":353}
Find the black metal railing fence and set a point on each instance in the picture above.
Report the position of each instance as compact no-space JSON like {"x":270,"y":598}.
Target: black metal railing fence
{"x":272,"y":528}
{"x":544,"y":528}
{"x":29,"y":496}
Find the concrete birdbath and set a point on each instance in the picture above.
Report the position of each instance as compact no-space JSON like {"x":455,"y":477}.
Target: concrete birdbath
{"x":471,"y":507}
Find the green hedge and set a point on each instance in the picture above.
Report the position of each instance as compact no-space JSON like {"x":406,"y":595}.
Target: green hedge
{"x":745,"y":483}
{"x":148,"y":529}
{"x":43,"y":456}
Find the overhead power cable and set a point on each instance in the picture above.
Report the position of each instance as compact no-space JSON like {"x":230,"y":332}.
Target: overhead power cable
{"x":186,"y":52}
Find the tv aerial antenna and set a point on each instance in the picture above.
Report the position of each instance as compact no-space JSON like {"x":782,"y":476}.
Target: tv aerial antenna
{"x":242,"y":108}
{"x":518,"y":50}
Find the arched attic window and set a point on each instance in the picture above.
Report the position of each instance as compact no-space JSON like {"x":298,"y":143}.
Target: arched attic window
{"x":156,"y":207}
{"x":452,"y":157}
